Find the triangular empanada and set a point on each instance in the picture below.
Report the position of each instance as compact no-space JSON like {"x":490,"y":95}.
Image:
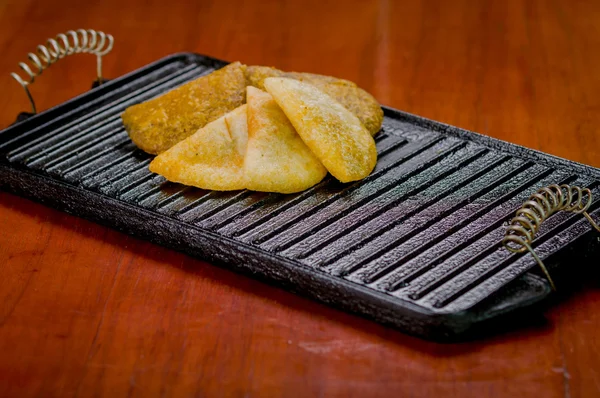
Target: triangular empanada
{"x":277,"y":160}
{"x":212,"y":158}
{"x":333,"y":133}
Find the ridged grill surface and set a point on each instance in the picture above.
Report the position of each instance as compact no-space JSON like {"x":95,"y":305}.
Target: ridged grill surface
{"x":424,"y":227}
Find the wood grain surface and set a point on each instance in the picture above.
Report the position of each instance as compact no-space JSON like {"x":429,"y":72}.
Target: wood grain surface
{"x":87,"y":311}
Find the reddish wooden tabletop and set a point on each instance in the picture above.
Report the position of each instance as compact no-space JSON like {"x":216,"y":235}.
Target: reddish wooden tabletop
{"x":88,"y":311}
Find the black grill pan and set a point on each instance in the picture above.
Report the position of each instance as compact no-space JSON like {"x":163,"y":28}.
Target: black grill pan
{"x":416,"y":245}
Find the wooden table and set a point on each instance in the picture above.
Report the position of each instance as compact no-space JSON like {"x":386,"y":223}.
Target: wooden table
{"x":88,"y":311}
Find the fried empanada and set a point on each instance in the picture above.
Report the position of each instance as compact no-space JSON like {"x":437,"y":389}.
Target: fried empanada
{"x":212,"y":158}
{"x":277,"y":160}
{"x":355,"y":99}
{"x":156,"y":125}
{"x":333,"y":133}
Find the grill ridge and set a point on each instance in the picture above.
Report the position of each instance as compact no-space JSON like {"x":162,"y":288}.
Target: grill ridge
{"x":353,"y":188}
{"x":130,"y":191}
{"x":237,"y":210}
{"x":42,"y":150}
{"x":208,"y":208}
{"x":199,"y":202}
{"x":88,"y":177}
{"x":451,"y":171}
{"x":258,"y":220}
{"x":443,"y":236}
{"x":109,"y":184}
{"x":456,"y":228}
{"x":110,"y":137}
{"x":548,"y":232}
{"x":462,"y":247}
{"x":85,"y":162}
{"x":491,"y":283}
{"x":391,"y":148}
{"x":420,"y":208}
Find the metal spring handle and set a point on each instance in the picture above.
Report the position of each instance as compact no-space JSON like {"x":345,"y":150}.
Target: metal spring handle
{"x":72,"y":42}
{"x":541,"y":205}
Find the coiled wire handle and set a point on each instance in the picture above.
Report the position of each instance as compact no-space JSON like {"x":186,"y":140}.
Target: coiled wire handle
{"x":537,"y":209}
{"x":72,"y":42}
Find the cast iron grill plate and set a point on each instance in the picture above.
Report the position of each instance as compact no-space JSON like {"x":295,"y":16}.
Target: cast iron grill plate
{"x":415,"y":245}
